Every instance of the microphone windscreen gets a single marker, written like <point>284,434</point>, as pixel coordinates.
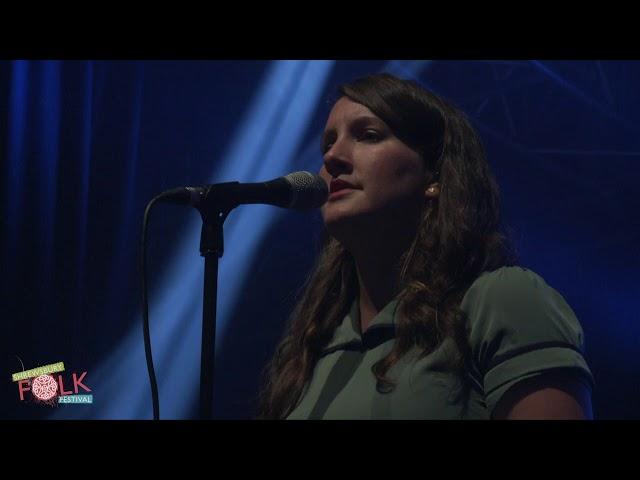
<point>308,190</point>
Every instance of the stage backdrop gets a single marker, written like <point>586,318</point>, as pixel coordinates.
<point>86,144</point>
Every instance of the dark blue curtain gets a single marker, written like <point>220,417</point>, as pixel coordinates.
<point>85,144</point>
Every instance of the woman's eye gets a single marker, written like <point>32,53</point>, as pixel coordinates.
<point>371,135</point>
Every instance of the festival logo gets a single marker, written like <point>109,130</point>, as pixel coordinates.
<point>47,385</point>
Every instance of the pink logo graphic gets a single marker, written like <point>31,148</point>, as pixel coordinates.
<point>44,387</point>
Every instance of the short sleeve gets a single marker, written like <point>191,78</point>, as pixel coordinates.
<point>519,327</point>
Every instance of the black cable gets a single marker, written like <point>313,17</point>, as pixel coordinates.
<point>145,310</point>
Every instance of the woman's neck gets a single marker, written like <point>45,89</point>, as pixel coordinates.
<point>377,253</point>
<point>378,268</point>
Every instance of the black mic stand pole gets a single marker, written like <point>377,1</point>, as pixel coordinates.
<point>213,214</point>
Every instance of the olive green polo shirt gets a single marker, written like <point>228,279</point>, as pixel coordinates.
<point>518,327</point>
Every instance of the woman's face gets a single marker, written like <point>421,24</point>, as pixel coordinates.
<point>370,172</point>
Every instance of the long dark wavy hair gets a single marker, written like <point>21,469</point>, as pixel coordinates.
<point>458,239</point>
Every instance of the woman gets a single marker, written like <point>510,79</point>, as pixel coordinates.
<point>415,308</point>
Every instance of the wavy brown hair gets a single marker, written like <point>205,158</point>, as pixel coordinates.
<point>458,239</point>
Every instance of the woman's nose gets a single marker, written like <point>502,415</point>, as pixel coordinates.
<point>337,161</point>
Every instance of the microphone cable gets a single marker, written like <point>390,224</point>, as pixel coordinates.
<point>145,309</point>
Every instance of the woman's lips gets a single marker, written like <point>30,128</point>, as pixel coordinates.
<point>338,188</point>
<point>340,193</point>
<point>337,184</point>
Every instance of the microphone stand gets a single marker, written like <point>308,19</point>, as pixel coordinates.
<point>213,211</point>
<point>214,203</point>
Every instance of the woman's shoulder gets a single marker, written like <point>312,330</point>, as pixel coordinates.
<point>510,279</point>
<point>516,301</point>
<point>509,286</point>
<point>519,327</point>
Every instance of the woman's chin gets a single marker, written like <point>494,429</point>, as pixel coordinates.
<point>342,224</point>
<point>336,217</point>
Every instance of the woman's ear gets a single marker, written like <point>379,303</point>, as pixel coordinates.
<point>432,191</point>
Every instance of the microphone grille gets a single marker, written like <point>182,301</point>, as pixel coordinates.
<point>308,190</point>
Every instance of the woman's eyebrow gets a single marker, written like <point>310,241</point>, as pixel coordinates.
<point>357,121</point>
<point>366,119</point>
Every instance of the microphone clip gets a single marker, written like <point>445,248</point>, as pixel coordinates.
<point>214,203</point>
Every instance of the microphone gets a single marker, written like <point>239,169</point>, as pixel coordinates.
<point>298,190</point>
